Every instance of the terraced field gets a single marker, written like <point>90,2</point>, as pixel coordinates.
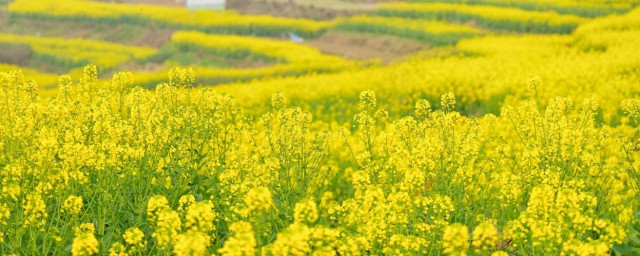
<point>420,127</point>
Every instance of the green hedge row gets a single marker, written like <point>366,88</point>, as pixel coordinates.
<point>424,36</point>
<point>253,29</point>
<point>493,24</point>
<point>583,11</point>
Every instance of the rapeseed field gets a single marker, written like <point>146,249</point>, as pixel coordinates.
<point>515,131</point>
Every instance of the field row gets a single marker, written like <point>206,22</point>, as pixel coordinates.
<point>178,18</point>
<point>581,8</point>
<point>432,32</point>
<point>498,18</point>
<point>77,52</point>
<point>289,58</point>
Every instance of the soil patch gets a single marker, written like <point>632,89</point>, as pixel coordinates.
<point>287,9</point>
<point>367,46</point>
<point>15,54</point>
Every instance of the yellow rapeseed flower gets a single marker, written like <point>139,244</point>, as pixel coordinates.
<point>485,236</point>
<point>258,200</point>
<point>184,202</point>
<point>200,217</point>
<point>85,243</point>
<point>305,212</point>
<point>278,101</point>
<point>134,237</point>
<point>35,211</point>
<point>455,240</point>
<point>167,227</point>
<point>72,205</point>
<point>292,241</point>
<point>118,249</point>
<point>191,243</point>
<point>156,205</point>
<point>242,243</point>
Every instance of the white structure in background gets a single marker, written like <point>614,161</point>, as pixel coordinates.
<point>295,38</point>
<point>217,5</point>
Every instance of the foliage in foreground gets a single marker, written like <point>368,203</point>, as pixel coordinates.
<point>125,171</point>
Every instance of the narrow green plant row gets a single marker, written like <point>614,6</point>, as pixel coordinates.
<point>74,53</point>
<point>490,17</point>
<point>588,9</point>
<point>177,18</point>
<point>432,32</point>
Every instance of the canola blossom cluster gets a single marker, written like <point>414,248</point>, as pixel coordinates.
<point>121,170</point>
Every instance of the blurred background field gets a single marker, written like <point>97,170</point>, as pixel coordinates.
<point>401,40</point>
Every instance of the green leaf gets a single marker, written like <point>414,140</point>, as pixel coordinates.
<point>634,240</point>
<point>67,249</point>
<point>624,250</point>
<point>637,226</point>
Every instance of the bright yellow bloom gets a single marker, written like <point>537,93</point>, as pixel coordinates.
<point>455,240</point>
<point>167,182</point>
<point>167,227</point>
<point>242,243</point>
<point>258,200</point>
<point>85,228</point>
<point>292,241</point>
<point>354,246</point>
<point>367,100</point>
<point>72,205</point>
<point>5,213</point>
<point>134,236</point>
<point>191,243</point>
<point>278,101</point>
<point>181,77</point>
<point>35,211</point>
<point>399,245</point>
<point>85,243</point>
<point>485,236</point>
<point>156,205</point>
<point>121,80</point>
<point>422,108</point>
<point>185,202</point>
<point>118,249</point>
<point>200,217</point>
<point>305,212</point>
<point>594,248</point>
<point>448,101</point>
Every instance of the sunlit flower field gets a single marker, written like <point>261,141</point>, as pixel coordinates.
<point>519,135</point>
